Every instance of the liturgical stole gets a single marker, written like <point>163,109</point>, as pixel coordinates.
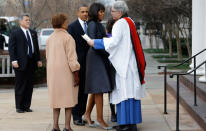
<point>141,64</point>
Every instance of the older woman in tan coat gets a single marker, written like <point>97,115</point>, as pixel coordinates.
<point>62,71</point>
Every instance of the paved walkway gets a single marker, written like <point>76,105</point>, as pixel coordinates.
<point>152,108</point>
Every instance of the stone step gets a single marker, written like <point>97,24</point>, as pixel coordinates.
<point>188,82</point>
<point>187,101</point>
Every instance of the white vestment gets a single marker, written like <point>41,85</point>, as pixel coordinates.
<point>122,57</point>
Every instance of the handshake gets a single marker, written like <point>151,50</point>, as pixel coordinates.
<point>88,40</point>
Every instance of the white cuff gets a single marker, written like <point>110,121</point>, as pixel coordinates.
<point>14,62</point>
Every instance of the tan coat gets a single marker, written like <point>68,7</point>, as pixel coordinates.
<point>61,62</point>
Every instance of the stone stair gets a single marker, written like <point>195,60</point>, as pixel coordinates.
<point>187,97</point>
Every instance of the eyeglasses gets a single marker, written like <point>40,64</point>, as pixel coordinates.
<point>114,11</point>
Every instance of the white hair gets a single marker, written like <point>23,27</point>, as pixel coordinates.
<point>120,6</point>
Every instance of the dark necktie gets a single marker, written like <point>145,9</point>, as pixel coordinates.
<point>85,27</point>
<point>29,44</point>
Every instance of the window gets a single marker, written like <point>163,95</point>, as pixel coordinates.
<point>47,32</point>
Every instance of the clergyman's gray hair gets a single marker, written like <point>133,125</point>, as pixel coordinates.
<point>82,5</point>
<point>22,15</point>
<point>120,6</point>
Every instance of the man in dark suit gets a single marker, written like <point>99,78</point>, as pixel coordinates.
<point>25,57</point>
<point>76,29</point>
<point>2,40</point>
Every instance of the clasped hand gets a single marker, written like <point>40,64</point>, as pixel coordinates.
<point>91,43</point>
<point>76,78</point>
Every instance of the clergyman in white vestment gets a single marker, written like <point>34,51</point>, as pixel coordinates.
<point>129,88</point>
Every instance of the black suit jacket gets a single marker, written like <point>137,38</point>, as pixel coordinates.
<point>82,47</point>
<point>2,40</point>
<point>18,48</point>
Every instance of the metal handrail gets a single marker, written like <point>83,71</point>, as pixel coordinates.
<point>165,79</point>
<point>178,88</point>
<point>165,88</point>
<point>178,74</point>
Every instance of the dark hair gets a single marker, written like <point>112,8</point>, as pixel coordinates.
<point>58,20</point>
<point>109,25</point>
<point>82,5</point>
<point>93,11</point>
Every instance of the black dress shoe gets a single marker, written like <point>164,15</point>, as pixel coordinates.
<point>19,111</point>
<point>28,110</point>
<point>123,128</point>
<point>114,118</point>
<point>55,129</point>
<point>133,127</point>
<point>78,122</point>
<point>67,129</point>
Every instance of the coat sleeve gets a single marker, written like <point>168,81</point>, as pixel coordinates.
<point>12,46</point>
<point>37,47</point>
<point>92,30</point>
<point>92,33</point>
<point>71,55</point>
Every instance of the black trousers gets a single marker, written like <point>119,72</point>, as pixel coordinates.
<point>80,108</point>
<point>24,86</point>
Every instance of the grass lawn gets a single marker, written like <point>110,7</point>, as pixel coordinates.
<point>168,61</point>
<point>182,67</point>
<point>155,51</point>
<point>166,56</point>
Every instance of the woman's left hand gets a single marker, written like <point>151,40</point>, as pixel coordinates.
<point>76,78</point>
<point>91,43</point>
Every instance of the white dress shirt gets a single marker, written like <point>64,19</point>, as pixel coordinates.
<point>24,30</point>
<point>82,23</point>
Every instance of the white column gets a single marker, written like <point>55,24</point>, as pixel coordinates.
<point>141,27</point>
<point>141,35</point>
<point>198,33</point>
<point>203,78</point>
